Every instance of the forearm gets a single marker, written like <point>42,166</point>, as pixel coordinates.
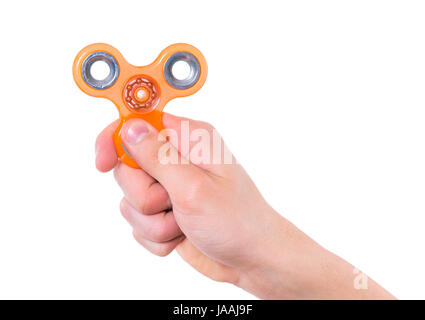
<point>293,266</point>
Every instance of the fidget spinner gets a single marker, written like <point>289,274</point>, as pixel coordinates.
<point>139,92</point>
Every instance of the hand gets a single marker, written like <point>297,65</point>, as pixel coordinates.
<point>187,198</point>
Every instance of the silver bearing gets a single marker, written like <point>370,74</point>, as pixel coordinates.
<point>110,78</point>
<point>194,73</point>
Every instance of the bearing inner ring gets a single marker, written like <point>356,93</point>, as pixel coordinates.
<point>110,78</point>
<point>194,73</point>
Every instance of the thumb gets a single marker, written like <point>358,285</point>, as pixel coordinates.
<point>155,155</point>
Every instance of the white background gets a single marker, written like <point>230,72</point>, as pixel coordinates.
<point>322,101</point>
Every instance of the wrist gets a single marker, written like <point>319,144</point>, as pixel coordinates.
<point>281,262</point>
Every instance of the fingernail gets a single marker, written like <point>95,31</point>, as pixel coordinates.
<point>136,131</point>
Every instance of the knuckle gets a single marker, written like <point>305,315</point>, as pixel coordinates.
<point>206,125</point>
<point>159,232</point>
<point>124,208</point>
<point>138,238</point>
<point>163,250</point>
<point>140,206</point>
<point>146,201</point>
<point>157,249</point>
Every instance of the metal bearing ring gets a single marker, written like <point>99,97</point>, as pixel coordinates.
<point>194,73</point>
<point>113,70</point>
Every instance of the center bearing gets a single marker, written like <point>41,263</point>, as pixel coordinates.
<point>141,93</point>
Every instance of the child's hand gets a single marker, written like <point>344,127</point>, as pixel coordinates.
<point>215,216</point>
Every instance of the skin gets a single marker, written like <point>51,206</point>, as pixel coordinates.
<point>217,220</point>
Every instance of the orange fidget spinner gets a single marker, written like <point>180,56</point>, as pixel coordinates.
<point>139,92</point>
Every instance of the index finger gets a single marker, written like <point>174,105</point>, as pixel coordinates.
<point>106,156</point>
